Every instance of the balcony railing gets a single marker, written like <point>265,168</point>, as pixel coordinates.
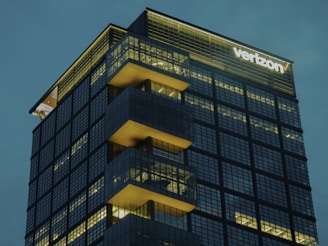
<point>136,58</point>
<point>134,230</point>
<point>135,115</point>
<point>135,177</point>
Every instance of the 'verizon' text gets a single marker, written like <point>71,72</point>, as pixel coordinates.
<point>256,58</point>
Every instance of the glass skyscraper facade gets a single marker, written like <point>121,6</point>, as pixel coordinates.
<point>164,133</point>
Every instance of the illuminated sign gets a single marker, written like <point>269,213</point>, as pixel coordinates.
<point>256,58</point>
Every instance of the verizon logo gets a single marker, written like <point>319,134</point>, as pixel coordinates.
<point>257,59</point>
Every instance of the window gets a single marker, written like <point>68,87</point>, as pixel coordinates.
<point>240,211</point>
<point>96,194</point>
<point>293,141</point>
<point>59,224</point>
<point>271,190</point>
<point>207,167</point>
<point>297,170</point>
<point>64,112</point>
<point>264,131</point>
<point>229,91</point>
<point>289,113</point>
<point>237,179</point>
<point>202,108</point>
<point>301,200</point>
<point>42,208</point>
<point>45,181</point>
<point>261,102</point>
<point>210,231</point>
<point>81,95</point>
<point>209,200</point>
<point>275,222</point>
<point>201,81</point>
<point>235,149</point>
<point>63,139</point>
<point>96,225</point>
<point>80,123</point>
<point>268,160</point>
<point>205,138</point>
<point>238,236</point>
<point>78,179</point>
<point>77,209</point>
<point>60,194</point>
<point>232,120</point>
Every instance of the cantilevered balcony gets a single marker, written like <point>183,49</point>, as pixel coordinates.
<point>135,59</point>
<point>135,177</point>
<point>136,115</point>
<point>134,230</point>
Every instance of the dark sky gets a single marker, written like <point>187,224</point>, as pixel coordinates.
<point>41,38</point>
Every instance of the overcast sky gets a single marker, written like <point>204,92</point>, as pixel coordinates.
<point>41,38</point>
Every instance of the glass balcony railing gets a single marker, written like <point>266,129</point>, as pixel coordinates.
<point>136,176</point>
<point>134,230</point>
<point>135,59</point>
<point>135,115</point>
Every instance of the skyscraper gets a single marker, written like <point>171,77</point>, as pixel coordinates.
<point>164,133</point>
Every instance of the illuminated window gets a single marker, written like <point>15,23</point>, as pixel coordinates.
<point>232,120</point>
<point>59,224</point>
<point>96,225</point>
<point>240,210</point>
<point>42,235</point>
<point>99,71</point>
<point>293,141</point>
<point>202,108</point>
<point>264,131</point>
<point>77,209</point>
<point>165,90</point>
<point>261,102</point>
<point>229,91</point>
<point>96,194</point>
<point>201,81</point>
<point>275,222</point>
<point>77,233</point>
<point>289,113</point>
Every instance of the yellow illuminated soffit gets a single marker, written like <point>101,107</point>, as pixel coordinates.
<point>47,105</point>
<point>132,74</point>
<point>132,197</point>
<point>131,133</point>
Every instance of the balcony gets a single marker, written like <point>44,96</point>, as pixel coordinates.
<point>135,59</point>
<point>135,177</point>
<point>138,115</point>
<point>134,230</point>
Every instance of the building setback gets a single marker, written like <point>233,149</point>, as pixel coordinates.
<point>164,133</point>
